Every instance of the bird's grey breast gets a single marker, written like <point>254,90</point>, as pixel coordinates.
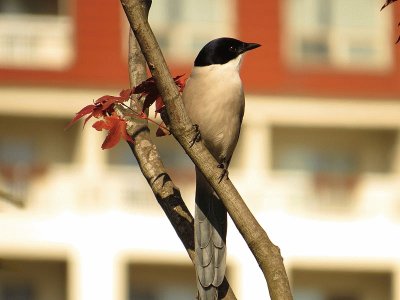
<point>213,98</point>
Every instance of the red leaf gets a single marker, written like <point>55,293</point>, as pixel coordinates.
<point>180,82</point>
<point>104,102</point>
<point>83,112</point>
<point>152,97</point>
<point>125,135</point>
<point>148,89</point>
<point>116,130</point>
<point>99,112</point>
<point>101,124</point>
<point>162,131</point>
<point>145,86</point>
<point>101,107</point>
<point>159,104</point>
<point>108,101</point>
<point>125,94</point>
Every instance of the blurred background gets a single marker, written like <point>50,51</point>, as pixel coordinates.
<point>318,161</point>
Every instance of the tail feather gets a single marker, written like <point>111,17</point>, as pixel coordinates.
<point>210,238</point>
<point>210,293</point>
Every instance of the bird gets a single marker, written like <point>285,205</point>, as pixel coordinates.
<point>214,101</point>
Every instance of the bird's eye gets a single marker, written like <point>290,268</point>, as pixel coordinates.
<point>232,48</point>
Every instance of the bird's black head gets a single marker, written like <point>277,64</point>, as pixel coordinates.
<point>221,51</point>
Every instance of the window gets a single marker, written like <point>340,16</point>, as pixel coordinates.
<point>28,146</point>
<point>333,150</point>
<point>35,34</point>
<point>333,158</point>
<point>174,282</point>
<point>17,292</point>
<point>340,285</point>
<point>33,280</point>
<point>338,33</point>
<point>16,166</point>
<point>182,27</point>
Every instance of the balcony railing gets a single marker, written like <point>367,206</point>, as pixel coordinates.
<point>35,42</point>
<point>296,193</point>
<point>305,193</point>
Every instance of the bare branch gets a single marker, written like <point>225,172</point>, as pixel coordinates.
<point>166,193</point>
<point>147,155</point>
<point>266,253</point>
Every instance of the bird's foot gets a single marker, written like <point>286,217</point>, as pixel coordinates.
<point>197,135</point>
<point>224,171</point>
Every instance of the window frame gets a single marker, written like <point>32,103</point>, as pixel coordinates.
<point>37,41</point>
<point>338,41</point>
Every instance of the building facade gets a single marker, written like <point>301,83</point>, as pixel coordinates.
<point>318,161</point>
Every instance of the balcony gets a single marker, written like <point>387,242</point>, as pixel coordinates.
<point>73,188</point>
<point>36,41</point>
<point>306,194</point>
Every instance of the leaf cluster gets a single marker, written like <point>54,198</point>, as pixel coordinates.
<point>104,109</point>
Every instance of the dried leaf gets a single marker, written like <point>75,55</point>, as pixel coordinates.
<point>83,112</point>
<point>148,89</point>
<point>116,127</point>
<point>162,131</point>
<point>102,107</point>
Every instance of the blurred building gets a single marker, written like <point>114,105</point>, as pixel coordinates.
<point>318,161</point>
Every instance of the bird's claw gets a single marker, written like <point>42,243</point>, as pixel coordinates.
<point>197,135</point>
<point>224,171</point>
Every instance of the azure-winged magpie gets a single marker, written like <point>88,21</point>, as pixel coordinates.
<point>214,100</point>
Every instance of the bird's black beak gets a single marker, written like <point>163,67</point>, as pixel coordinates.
<point>249,46</point>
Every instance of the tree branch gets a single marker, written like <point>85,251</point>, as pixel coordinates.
<point>266,253</point>
<point>166,193</point>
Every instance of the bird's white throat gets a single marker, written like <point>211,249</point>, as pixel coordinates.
<point>232,67</point>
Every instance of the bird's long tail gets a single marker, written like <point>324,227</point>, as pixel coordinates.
<point>210,237</point>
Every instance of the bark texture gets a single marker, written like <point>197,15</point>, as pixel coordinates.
<point>266,253</point>
<point>146,153</point>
